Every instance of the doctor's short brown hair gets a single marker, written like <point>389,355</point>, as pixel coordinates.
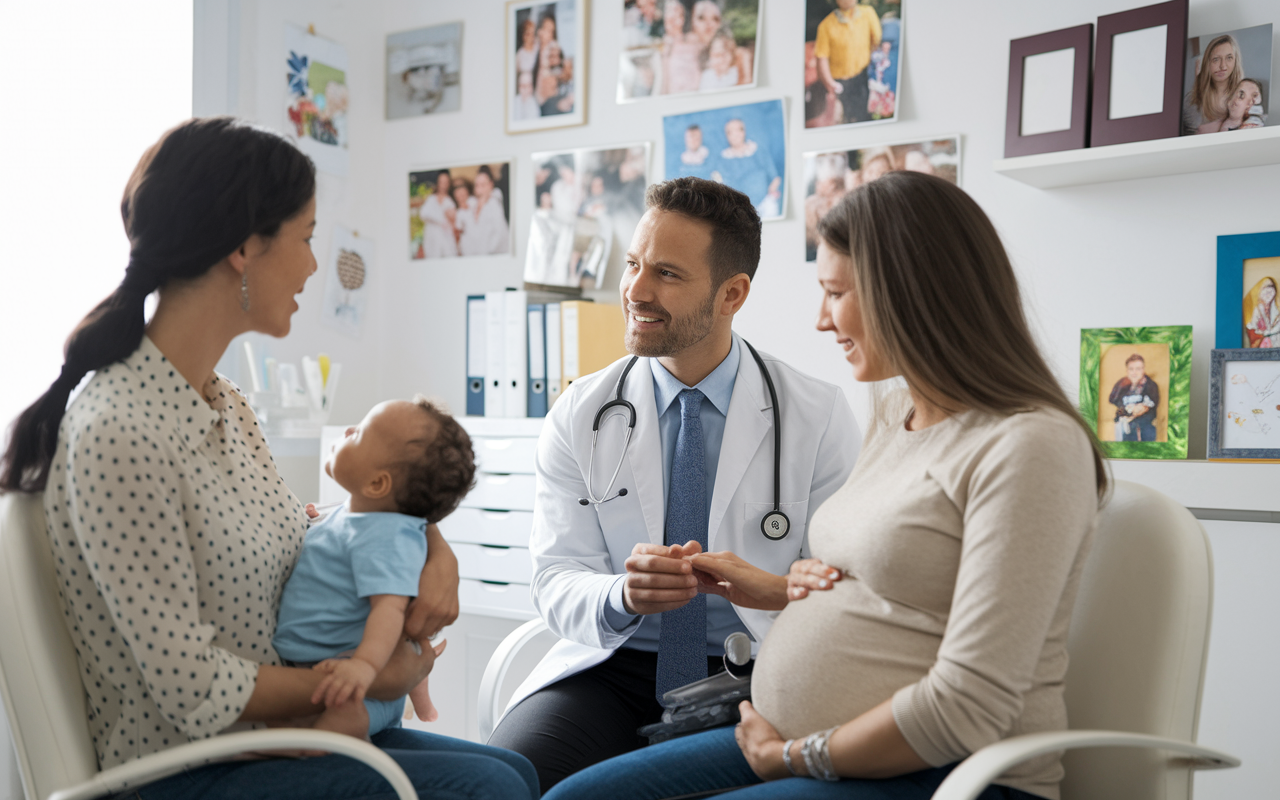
<point>432,485</point>
<point>735,225</point>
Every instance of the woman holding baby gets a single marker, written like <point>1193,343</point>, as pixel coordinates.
<point>172,530</point>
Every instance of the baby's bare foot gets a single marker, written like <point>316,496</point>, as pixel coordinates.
<point>351,718</point>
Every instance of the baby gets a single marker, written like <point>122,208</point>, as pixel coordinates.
<point>1244,109</point>
<point>406,464</point>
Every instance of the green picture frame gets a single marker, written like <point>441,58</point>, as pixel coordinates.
<point>1098,365</point>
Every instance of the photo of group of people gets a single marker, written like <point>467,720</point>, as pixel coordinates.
<point>424,71</point>
<point>828,176</point>
<point>460,211</point>
<point>740,146</point>
<point>852,60</point>
<point>586,202</point>
<point>543,88</point>
<point>683,46</point>
<point>1227,80</point>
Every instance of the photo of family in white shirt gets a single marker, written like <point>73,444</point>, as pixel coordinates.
<point>460,211</point>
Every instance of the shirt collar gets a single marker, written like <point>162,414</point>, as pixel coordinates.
<point>168,396</point>
<point>717,387</point>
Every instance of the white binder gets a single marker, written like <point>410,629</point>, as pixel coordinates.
<point>516,354</point>
<point>553,353</point>
<point>495,361</point>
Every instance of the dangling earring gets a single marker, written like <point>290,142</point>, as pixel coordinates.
<point>244,291</point>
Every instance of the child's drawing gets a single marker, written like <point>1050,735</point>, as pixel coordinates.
<point>1250,407</point>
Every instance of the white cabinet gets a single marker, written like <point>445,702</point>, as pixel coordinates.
<point>490,531</point>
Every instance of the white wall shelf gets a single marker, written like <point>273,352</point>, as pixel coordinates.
<point>1249,489</point>
<point>1150,159</point>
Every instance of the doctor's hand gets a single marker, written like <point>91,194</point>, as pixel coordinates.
<point>659,578</point>
<point>810,574</point>
<point>742,584</point>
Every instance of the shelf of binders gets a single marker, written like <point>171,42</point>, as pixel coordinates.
<point>1150,159</point>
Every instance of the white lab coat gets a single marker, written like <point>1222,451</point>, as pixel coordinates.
<point>578,551</point>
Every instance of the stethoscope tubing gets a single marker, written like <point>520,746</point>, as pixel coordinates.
<point>619,402</point>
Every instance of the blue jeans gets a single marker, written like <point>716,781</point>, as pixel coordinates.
<point>711,761</point>
<point>440,767</point>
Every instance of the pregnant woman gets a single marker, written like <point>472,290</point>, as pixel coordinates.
<point>172,531</point>
<point>932,619</point>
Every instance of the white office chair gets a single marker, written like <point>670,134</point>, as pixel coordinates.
<point>1139,642</point>
<point>45,701</point>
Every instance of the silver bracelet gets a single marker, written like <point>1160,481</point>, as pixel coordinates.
<point>822,755</point>
<point>806,752</point>
<point>786,757</point>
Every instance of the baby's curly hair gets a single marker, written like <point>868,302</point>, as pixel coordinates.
<point>433,485</point>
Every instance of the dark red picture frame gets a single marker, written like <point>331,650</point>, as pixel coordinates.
<point>1080,38</point>
<point>1167,122</point>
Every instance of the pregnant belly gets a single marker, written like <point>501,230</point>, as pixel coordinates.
<point>835,655</point>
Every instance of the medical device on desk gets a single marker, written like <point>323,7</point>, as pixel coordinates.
<point>775,524</point>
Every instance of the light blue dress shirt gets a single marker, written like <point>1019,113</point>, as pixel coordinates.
<point>717,387</point>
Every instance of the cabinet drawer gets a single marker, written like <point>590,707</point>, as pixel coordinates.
<point>507,454</point>
<point>498,599</point>
<point>501,492</point>
<point>506,564</point>
<point>479,526</point>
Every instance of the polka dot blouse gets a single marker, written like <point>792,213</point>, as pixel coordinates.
<point>173,536</point>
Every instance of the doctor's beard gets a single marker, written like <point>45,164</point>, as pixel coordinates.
<point>678,334</point>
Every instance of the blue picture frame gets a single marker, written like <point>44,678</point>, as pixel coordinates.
<point>1218,360</point>
<point>1232,253</point>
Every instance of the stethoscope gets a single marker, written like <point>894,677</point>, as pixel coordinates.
<point>775,524</point>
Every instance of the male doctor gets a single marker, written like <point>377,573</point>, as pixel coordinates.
<point>644,579</point>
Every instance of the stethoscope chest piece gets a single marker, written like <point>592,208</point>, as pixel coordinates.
<point>775,525</point>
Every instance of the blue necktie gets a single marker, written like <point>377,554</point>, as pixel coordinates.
<point>682,643</point>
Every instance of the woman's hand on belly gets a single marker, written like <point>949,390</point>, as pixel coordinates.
<point>762,745</point>
<point>808,575</point>
<point>727,575</point>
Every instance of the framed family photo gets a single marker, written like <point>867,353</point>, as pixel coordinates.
<point>830,175</point>
<point>1227,81</point>
<point>1135,389</point>
<point>460,211</point>
<point>743,147</point>
<point>852,61</point>
<point>1244,405</point>
<point>672,47</point>
<point>587,205</point>
<point>546,64</point>
<point>1248,311</point>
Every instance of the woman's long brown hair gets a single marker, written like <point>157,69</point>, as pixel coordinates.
<point>940,300</point>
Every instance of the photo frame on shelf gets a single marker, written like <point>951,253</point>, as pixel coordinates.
<point>546,64</point>
<point>1245,316</point>
<point>1135,389</point>
<point>1244,405</point>
<point>1049,85</point>
<point>1137,86</point>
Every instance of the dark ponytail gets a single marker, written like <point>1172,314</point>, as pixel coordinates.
<point>196,195</point>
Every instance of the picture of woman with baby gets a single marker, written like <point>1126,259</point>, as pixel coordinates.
<point>545,39</point>
<point>684,46</point>
<point>1227,81</point>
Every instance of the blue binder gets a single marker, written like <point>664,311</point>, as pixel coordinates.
<point>537,385</point>
<point>477,323</point>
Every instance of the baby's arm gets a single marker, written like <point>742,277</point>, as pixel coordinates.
<point>349,678</point>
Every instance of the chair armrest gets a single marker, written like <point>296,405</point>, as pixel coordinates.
<point>977,771</point>
<point>195,754</point>
<point>496,672</point>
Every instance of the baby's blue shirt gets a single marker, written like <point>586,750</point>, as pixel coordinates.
<point>345,559</point>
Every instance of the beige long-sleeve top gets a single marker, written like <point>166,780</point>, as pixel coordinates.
<point>172,536</point>
<point>961,547</point>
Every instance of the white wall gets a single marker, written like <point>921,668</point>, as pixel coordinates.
<point>1122,254</point>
